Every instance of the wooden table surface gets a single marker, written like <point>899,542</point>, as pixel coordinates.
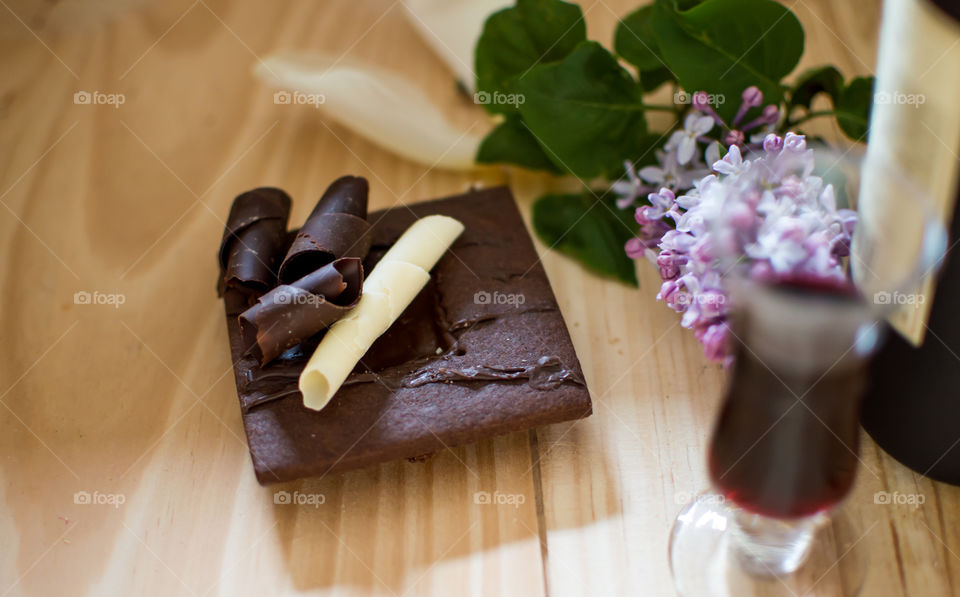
<point>135,405</point>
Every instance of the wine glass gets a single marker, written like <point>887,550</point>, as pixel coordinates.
<point>784,449</point>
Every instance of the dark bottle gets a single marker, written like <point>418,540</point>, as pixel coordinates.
<point>912,403</point>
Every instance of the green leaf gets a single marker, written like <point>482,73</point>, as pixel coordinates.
<point>585,111</point>
<point>651,79</point>
<point>591,230</point>
<point>516,39</point>
<point>824,79</point>
<point>635,42</point>
<point>853,108</point>
<point>512,143</point>
<point>724,46</point>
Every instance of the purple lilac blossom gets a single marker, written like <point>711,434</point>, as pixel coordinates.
<point>631,188</point>
<point>789,215</point>
<point>684,141</point>
<point>679,164</point>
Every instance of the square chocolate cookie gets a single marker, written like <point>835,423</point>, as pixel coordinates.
<point>483,350</point>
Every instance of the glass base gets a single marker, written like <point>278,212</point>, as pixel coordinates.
<point>720,550</point>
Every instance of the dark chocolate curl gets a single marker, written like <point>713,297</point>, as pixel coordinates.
<point>337,227</point>
<point>253,242</point>
<point>291,313</point>
<point>345,195</point>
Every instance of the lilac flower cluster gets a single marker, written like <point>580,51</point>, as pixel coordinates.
<point>679,164</point>
<point>784,219</point>
<point>736,132</point>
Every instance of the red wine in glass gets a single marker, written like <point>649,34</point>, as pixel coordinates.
<point>785,444</point>
<point>783,454</point>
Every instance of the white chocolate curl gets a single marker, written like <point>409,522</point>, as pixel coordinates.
<point>395,281</point>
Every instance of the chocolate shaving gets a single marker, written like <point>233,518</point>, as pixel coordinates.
<point>291,313</point>
<point>336,228</point>
<point>253,241</point>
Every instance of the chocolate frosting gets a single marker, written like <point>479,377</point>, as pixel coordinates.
<point>253,241</point>
<point>421,348</point>
<point>291,313</point>
<point>337,227</point>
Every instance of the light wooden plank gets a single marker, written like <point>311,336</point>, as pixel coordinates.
<point>138,400</point>
<point>614,483</point>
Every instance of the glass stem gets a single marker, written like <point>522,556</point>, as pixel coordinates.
<point>771,546</point>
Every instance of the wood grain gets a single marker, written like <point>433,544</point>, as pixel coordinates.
<point>137,401</point>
